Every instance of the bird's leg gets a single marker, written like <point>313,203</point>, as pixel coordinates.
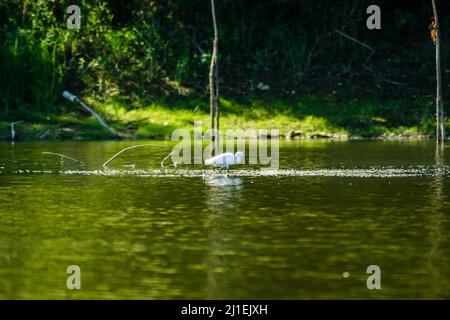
<point>220,170</point>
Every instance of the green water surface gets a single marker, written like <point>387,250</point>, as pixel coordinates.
<point>217,237</point>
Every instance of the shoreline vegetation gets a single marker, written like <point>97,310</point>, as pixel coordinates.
<point>295,118</point>
<point>311,69</point>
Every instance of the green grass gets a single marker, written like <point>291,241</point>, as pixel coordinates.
<point>157,119</point>
<point>303,117</point>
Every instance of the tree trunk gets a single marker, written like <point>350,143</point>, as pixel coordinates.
<point>440,129</point>
<point>217,106</point>
<point>214,83</point>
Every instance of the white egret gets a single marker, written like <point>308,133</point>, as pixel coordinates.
<point>225,160</point>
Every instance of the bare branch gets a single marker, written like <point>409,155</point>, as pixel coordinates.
<point>130,148</point>
<point>63,156</point>
<point>354,40</point>
<point>74,98</point>
<point>41,135</point>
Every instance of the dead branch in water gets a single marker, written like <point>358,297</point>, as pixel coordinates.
<point>74,98</point>
<point>63,156</point>
<point>130,148</point>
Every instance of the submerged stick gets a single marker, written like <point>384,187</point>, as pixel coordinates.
<point>74,98</point>
<point>130,148</point>
<point>63,156</point>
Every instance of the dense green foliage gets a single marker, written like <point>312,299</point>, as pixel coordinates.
<point>139,51</point>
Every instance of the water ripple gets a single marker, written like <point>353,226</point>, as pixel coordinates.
<point>372,172</point>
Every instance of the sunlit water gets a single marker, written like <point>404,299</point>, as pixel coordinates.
<point>143,232</point>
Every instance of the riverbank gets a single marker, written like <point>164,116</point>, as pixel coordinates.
<point>305,117</point>
<point>65,131</point>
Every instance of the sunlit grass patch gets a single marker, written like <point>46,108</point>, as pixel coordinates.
<point>304,116</point>
<point>159,120</point>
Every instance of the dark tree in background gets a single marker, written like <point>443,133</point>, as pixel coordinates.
<point>147,51</point>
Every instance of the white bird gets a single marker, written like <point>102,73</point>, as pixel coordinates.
<point>225,160</point>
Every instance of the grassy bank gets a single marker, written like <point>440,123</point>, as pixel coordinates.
<point>305,116</point>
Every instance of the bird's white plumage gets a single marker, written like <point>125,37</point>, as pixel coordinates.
<point>225,160</point>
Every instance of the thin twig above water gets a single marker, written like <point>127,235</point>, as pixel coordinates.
<point>63,156</point>
<point>130,148</point>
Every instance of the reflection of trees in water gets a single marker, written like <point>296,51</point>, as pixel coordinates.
<point>222,200</point>
<point>435,221</point>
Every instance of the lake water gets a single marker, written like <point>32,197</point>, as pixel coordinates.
<point>138,233</point>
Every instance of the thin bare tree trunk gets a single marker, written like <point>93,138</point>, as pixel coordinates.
<point>440,129</point>
<point>213,81</point>
<point>217,106</point>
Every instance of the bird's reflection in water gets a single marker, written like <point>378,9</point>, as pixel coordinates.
<point>223,181</point>
<point>222,198</point>
<point>223,193</point>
